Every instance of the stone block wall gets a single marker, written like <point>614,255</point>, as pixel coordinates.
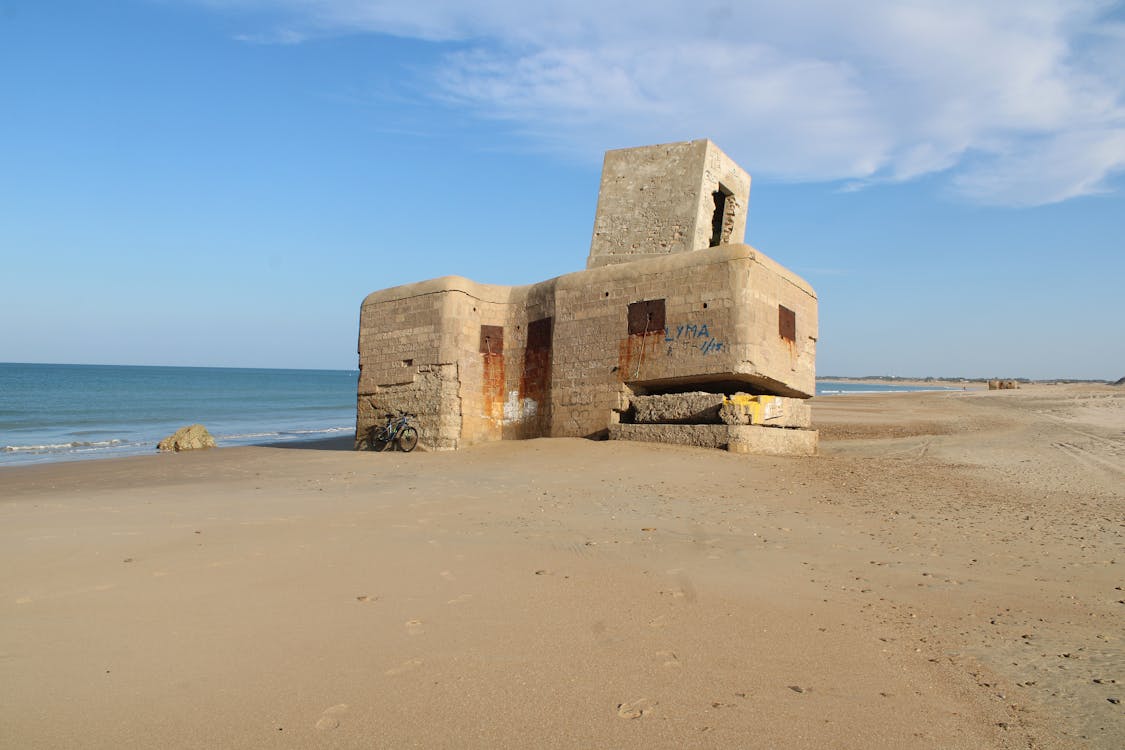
<point>407,362</point>
<point>660,309</point>
<point>658,200</point>
<point>478,362</point>
<point>473,361</point>
<point>720,327</point>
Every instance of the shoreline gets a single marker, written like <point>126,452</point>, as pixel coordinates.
<point>912,586</point>
<point>907,382</point>
<point>29,456</point>
<point>33,456</point>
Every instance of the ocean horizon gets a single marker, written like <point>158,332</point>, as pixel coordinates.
<point>68,412</point>
<point>842,387</point>
<point>71,412</point>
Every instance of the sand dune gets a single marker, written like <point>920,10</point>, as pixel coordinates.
<point>947,574</point>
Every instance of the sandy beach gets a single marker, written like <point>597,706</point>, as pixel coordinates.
<point>947,573</point>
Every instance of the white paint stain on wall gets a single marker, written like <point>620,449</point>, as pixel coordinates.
<point>517,409</point>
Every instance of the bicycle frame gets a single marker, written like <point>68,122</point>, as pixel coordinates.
<point>392,432</point>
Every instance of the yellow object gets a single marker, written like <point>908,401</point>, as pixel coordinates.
<point>760,409</point>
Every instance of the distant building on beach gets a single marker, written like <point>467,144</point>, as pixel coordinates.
<point>1003,385</point>
<point>675,332</point>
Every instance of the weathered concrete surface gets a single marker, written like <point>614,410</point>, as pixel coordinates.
<point>421,344</point>
<point>656,200</point>
<point>772,441</point>
<point>735,438</point>
<point>686,408</point>
<point>190,438</point>
<point>701,407</point>
<point>479,362</point>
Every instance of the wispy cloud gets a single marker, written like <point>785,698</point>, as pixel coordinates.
<point>1021,103</point>
<point>275,36</point>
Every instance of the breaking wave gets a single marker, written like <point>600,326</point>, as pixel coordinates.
<point>53,447</point>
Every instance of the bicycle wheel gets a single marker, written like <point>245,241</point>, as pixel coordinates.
<point>407,439</point>
<point>377,439</point>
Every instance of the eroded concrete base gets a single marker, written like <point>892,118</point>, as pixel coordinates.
<point>770,441</point>
<point>700,407</point>
<point>695,407</point>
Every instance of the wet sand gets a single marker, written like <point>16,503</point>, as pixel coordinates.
<point>946,574</point>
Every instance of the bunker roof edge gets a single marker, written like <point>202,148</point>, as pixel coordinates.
<point>501,294</point>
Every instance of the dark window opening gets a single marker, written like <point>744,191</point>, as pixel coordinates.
<point>539,334</point>
<point>492,339</point>
<point>719,231</point>
<point>646,317</point>
<point>786,323</point>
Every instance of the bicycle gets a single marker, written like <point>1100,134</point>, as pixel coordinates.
<point>397,431</point>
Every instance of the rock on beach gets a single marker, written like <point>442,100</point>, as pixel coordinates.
<point>192,437</point>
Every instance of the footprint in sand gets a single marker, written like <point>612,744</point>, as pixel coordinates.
<point>684,591</point>
<point>635,709</point>
<point>330,719</point>
<point>406,666</point>
<point>414,627</point>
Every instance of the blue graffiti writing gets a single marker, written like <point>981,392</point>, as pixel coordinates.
<point>693,336</point>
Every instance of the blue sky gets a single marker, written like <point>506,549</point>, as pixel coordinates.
<point>221,182</point>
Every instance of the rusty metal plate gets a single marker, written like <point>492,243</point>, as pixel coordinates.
<point>646,317</point>
<point>539,334</point>
<point>786,323</point>
<point>492,339</point>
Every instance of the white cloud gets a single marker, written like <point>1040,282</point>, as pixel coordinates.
<point>1021,102</point>
<point>1043,170</point>
<point>276,36</point>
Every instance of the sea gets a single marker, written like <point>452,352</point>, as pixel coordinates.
<point>72,412</point>
<point>54,412</point>
<point>837,388</point>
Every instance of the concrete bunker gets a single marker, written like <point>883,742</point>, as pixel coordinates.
<point>675,332</point>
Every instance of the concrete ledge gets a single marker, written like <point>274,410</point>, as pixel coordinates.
<point>773,441</point>
<point>770,441</point>
<point>698,407</point>
<point>678,408</point>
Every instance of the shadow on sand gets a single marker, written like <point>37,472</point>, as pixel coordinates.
<point>342,443</point>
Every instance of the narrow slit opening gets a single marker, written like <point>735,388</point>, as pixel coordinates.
<point>719,216</point>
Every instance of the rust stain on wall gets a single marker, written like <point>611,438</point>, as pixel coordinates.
<point>787,330</point>
<point>646,328</point>
<point>492,377</point>
<point>634,351</point>
<point>493,386</point>
<point>535,378</point>
<point>646,317</point>
<point>786,323</point>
